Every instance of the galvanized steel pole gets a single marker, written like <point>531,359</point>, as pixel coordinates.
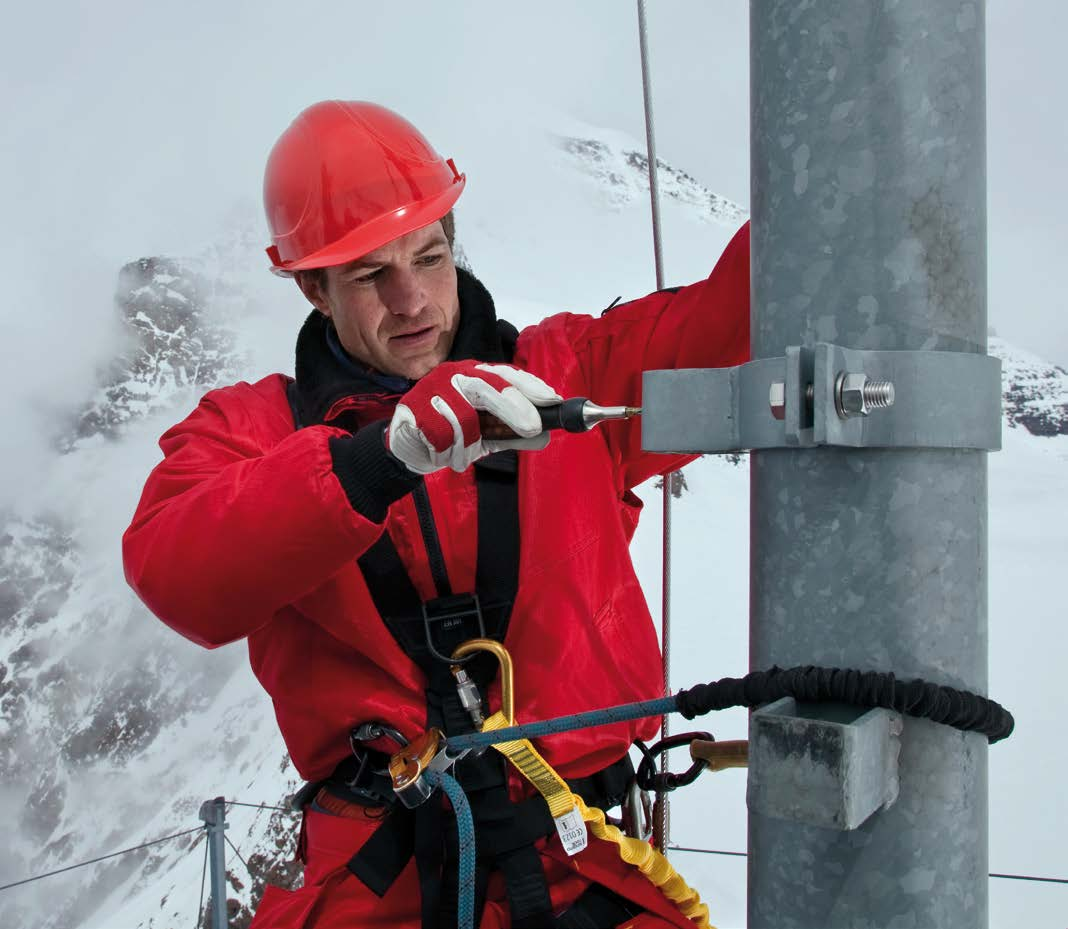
<point>213,813</point>
<point>869,230</point>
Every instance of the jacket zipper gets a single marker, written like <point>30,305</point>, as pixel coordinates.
<point>431,541</point>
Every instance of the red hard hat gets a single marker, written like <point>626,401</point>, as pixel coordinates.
<point>346,178</point>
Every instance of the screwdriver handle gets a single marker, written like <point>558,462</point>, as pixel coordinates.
<point>574,415</point>
<point>566,415</point>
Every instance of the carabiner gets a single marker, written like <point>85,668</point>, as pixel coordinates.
<point>507,673</point>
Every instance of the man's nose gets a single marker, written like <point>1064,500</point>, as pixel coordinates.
<point>405,295</point>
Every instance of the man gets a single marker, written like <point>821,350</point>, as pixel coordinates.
<point>355,525</point>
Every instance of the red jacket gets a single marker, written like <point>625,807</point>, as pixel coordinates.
<point>243,531</point>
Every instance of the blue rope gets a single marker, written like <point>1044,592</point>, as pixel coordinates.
<point>613,714</point>
<point>465,830</point>
<point>465,825</point>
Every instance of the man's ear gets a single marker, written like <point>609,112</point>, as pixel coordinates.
<point>312,285</point>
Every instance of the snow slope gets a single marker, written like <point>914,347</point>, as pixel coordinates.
<point>114,729</point>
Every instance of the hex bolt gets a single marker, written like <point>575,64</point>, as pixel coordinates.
<point>777,398</point>
<point>855,395</point>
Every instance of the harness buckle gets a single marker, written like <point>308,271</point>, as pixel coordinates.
<point>450,618</point>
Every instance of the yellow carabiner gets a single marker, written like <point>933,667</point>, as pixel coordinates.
<point>507,672</point>
<point>520,751</point>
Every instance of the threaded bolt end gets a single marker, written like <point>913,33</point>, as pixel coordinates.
<point>878,395</point>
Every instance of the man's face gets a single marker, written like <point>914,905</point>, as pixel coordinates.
<point>396,308</point>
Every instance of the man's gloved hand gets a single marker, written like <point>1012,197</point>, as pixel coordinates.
<point>436,423</point>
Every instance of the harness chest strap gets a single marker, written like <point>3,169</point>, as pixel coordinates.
<point>427,632</point>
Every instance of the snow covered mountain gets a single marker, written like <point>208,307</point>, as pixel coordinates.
<point>1035,392</point>
<point>113,730</point>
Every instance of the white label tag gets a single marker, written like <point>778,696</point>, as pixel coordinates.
<point>572,831</point>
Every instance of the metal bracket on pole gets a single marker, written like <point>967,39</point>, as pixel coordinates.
<point>829,765</point>
<point>213,814</point>
<point>822,395</point>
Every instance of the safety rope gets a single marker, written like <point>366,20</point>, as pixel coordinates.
<point>957,708</point>
<point>662,825</point>
<point>465,833</point>
<point>961,709</point>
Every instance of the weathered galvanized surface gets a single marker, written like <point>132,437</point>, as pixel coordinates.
<point>826,765</point>
<point>868,184</point>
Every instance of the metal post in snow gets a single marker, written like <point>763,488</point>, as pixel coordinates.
<point>869,231</point>
<point>213,813</point>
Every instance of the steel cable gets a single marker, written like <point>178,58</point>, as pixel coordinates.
<point>239,858</point>
<point>82,864</point>
<point>662,825</point>
<point>203,879</point>
<point>261,806</point>
<point>1011,877</point>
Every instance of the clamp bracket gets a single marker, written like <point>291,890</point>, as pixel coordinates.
<point>827,765</point>
<point>922,399</point>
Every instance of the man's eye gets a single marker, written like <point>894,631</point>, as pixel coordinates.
<point>428,261</point>
<point>366,278</point>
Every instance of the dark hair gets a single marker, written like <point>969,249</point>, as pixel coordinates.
<point>448,224</point>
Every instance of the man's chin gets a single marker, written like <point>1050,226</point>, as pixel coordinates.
<point>416,364</point>
<point>415,368</point>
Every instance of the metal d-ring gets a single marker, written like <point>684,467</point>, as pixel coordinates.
<point>476,612</point>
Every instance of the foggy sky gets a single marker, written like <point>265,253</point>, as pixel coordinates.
<point>131,129</point>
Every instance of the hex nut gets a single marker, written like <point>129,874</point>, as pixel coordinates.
<point>850,397</point>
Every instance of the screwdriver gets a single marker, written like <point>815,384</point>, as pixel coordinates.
<point>574,415</point>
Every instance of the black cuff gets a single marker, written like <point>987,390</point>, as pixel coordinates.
<point>370,476</point>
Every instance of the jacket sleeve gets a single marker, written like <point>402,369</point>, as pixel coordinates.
<point>228,531</point>
<point>704,325</point>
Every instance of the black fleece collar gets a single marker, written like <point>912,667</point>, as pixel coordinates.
<point>323,379</point>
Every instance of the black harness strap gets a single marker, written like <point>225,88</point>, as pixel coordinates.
<point>501,830</point>
<point>434,554</point>
<point>383,856</point>
<point>428,632</point>
<point>452,619</point>
<point>497,568</point>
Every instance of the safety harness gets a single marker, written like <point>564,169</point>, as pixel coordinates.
<point>428,632</point>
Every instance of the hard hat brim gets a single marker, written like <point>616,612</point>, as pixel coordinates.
<point>369,236</point>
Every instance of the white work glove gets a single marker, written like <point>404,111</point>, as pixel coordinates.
<point>436,423</point>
